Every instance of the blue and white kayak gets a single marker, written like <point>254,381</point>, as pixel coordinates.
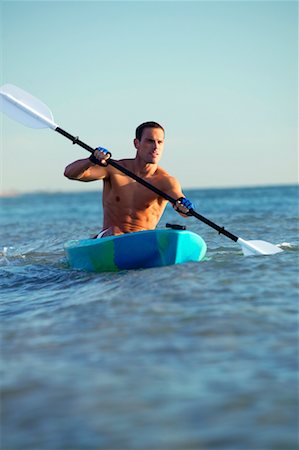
<point>140,250</point>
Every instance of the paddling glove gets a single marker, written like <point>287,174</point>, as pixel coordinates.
<point>184,202</point>
<point>95,160</point>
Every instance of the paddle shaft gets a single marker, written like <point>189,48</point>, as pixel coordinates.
<point>76,140</point>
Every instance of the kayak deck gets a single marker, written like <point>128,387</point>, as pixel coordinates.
<point>139,250</point>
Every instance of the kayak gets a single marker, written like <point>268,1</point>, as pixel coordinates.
<point>139,250</point>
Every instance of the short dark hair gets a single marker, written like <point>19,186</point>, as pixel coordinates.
<point>140,128</point>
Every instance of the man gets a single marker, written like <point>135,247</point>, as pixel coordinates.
<point>128,205</point>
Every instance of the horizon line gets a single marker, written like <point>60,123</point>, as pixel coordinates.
<point>11,193</point>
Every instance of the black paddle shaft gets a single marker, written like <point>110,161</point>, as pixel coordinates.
<point>76,140</point>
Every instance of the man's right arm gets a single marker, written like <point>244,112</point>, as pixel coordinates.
<point>88,169</point>
<point>85,170</point>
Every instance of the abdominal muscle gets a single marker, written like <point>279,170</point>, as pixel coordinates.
<point>129,209</point>
<point>131,221</point>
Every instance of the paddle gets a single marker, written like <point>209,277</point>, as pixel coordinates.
<point>28,110</point>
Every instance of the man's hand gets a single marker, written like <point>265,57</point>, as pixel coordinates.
<point>183,205</point>
<point>100,156</point>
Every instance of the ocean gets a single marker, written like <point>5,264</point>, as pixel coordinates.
<point>197,356</point>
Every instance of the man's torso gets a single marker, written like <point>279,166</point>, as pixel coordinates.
<point>130,206</point>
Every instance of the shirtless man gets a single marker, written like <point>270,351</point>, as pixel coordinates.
<point>128,205</point>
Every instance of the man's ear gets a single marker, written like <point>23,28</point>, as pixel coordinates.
<point>136,143</point>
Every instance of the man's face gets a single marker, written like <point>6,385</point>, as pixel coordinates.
<point>150,147</point>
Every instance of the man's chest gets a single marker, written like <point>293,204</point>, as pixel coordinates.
<point>128,191</point>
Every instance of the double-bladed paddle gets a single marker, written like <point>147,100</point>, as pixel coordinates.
<point>30,111</point>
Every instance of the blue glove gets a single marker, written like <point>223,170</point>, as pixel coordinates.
<point>183,201</point>
<point>104,150</point>
<point>95,160</point>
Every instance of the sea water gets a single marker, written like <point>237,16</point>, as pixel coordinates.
<point>196,356</point>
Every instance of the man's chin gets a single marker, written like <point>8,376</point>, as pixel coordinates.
<point>154,160</point>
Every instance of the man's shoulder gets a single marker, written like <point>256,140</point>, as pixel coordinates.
<point>162,172</point>
<point>126,162</point>
<point>168,181</point>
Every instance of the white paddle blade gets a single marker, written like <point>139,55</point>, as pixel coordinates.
<point>251,248</point>
<point>24,108</point>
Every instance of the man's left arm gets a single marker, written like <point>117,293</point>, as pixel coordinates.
<point>182,205</point>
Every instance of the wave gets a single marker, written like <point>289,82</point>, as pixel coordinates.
<point>22,256</point>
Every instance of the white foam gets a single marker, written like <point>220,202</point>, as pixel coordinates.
<point>286,245</point>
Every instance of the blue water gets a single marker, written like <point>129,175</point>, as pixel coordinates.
<point>196,356</point>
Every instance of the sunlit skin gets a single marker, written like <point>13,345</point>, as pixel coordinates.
<point>128,206</point>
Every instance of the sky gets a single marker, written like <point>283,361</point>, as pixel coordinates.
<point>220,76</point>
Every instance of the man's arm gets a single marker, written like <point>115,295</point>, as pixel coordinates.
<point>87,169</point>
<point>182,204</point>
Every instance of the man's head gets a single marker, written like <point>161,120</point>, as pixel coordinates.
<point>143,126</point>
<point>149,142</point>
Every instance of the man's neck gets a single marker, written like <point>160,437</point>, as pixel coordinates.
<point>143,169</point>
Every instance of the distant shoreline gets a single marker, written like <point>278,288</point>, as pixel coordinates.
<point>13,193</point>
<point>7,194</point>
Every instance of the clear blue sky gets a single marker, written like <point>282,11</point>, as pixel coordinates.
<point>221,77</point>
